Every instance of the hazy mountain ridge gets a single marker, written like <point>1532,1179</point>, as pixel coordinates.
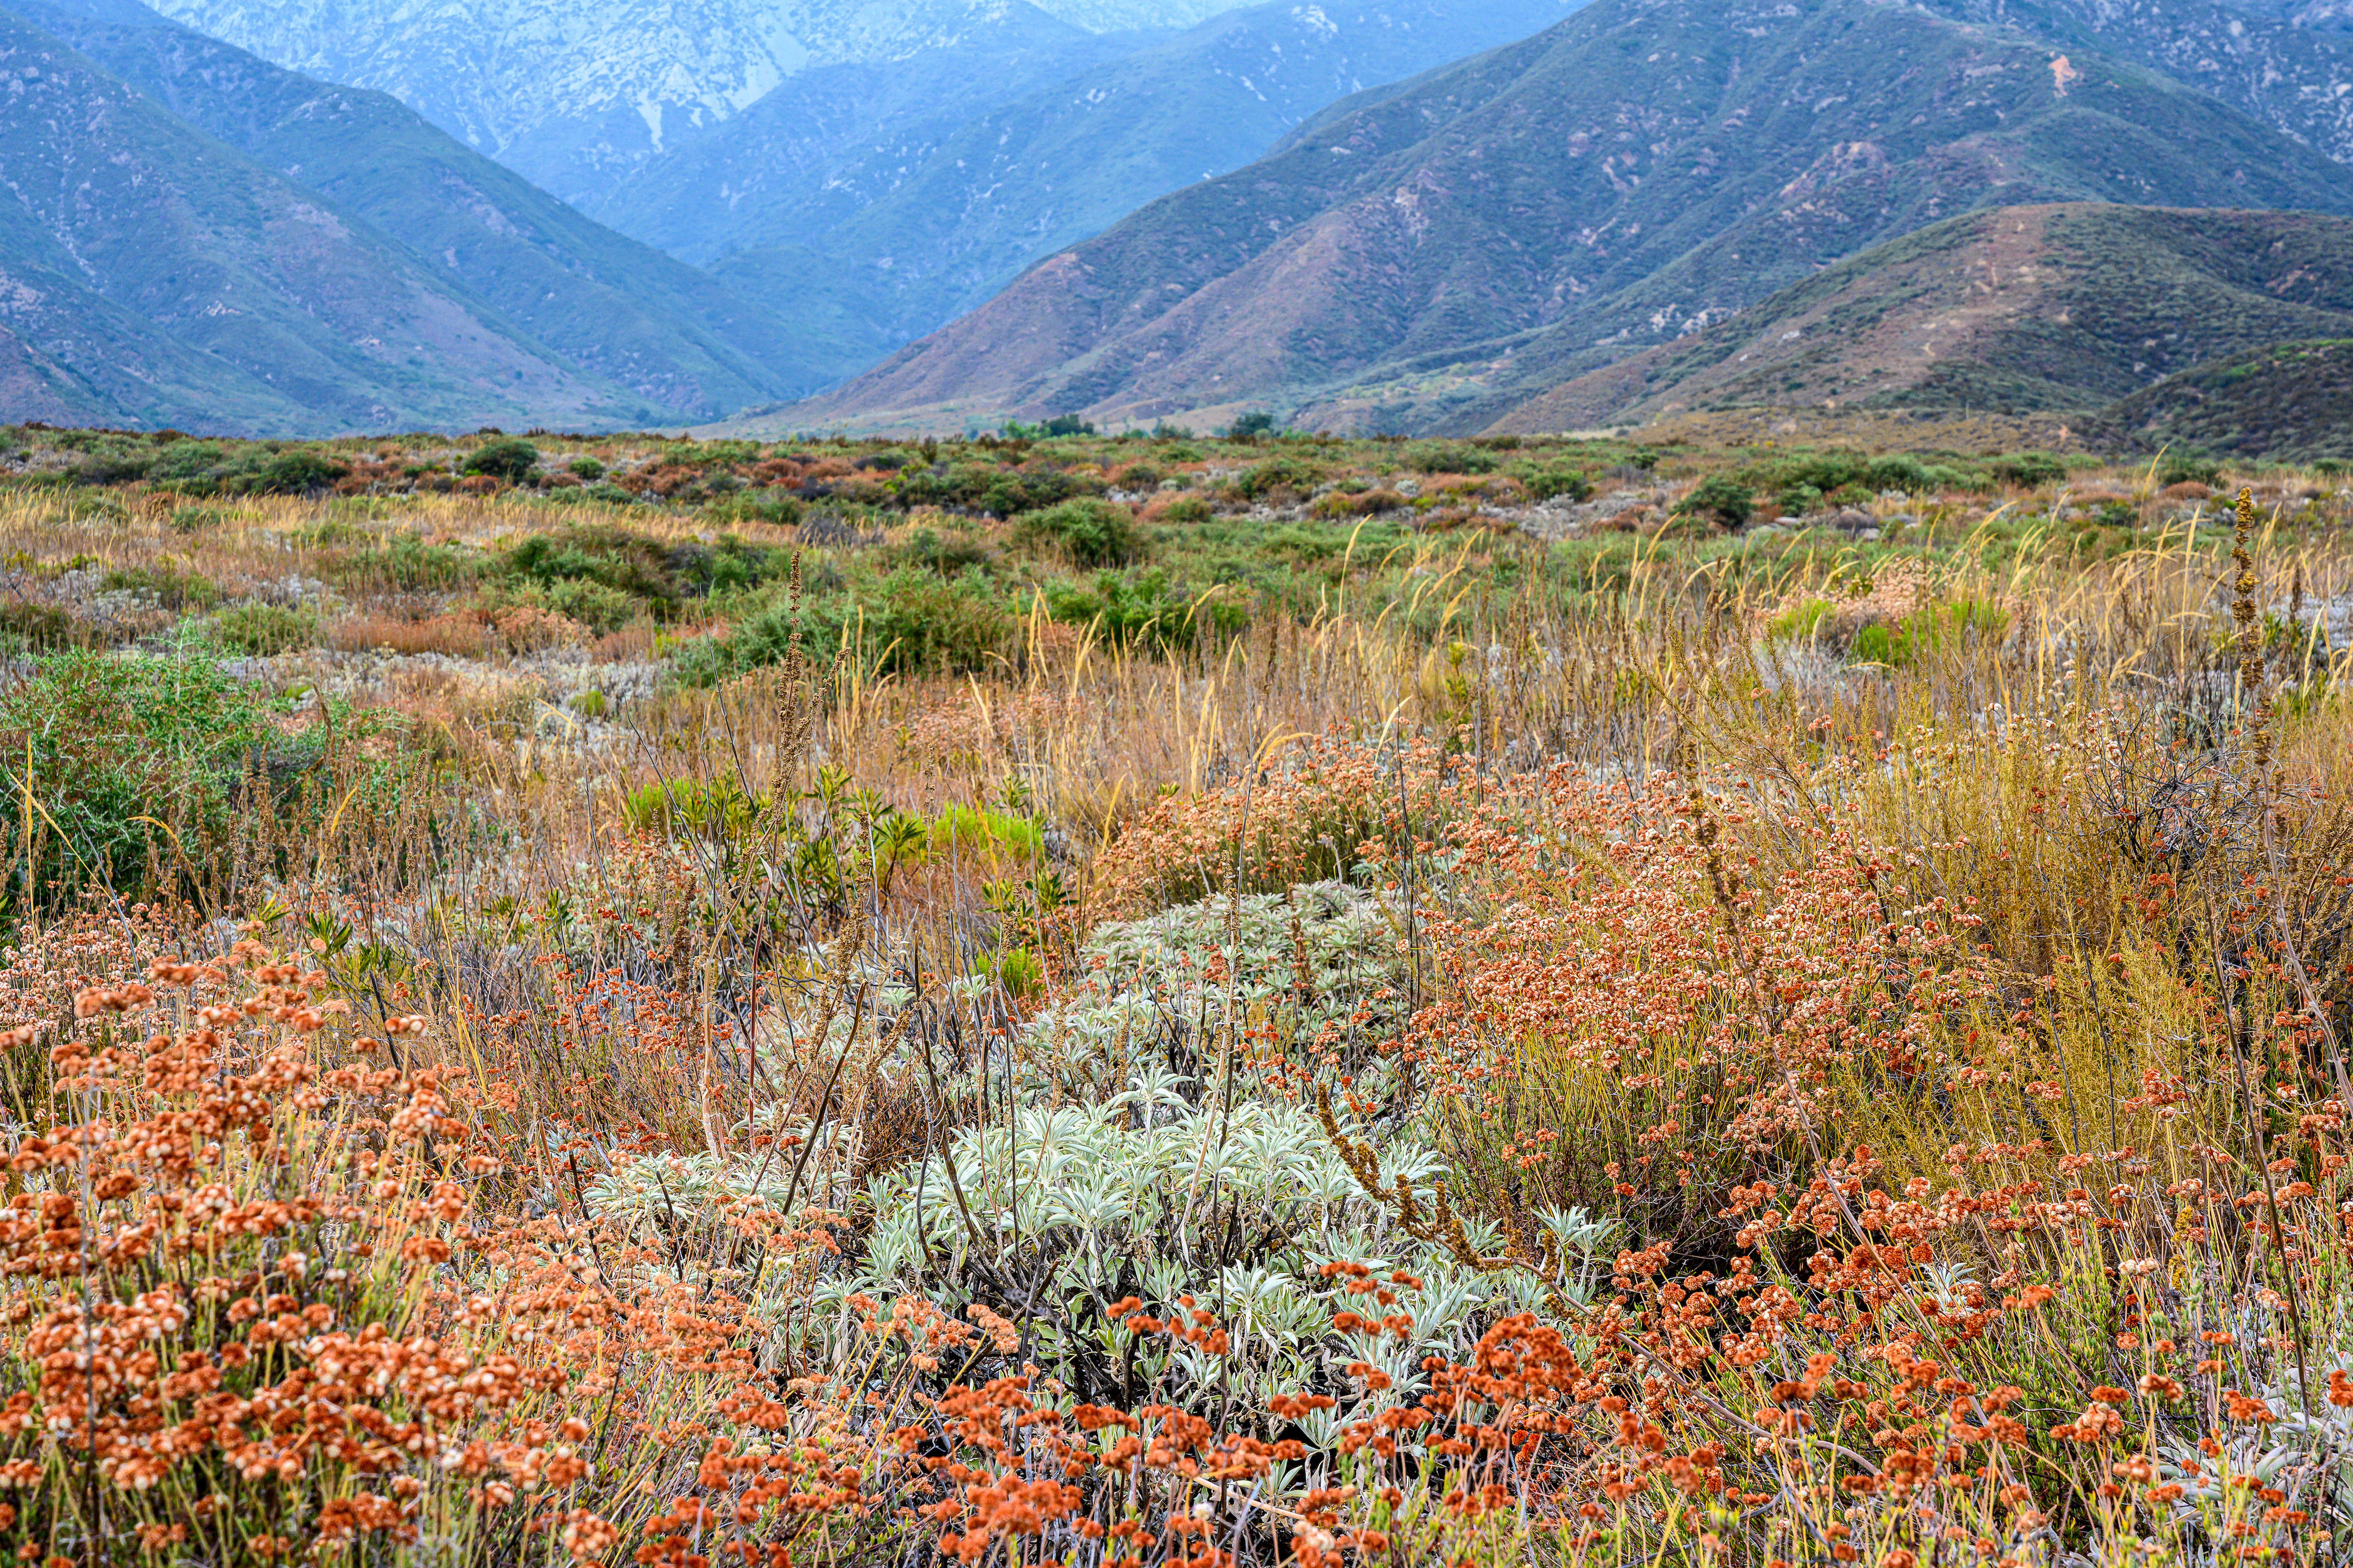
<point>1438,253</point>
<point>827,142</point>
<point>888,240</point>
<point>619,308</point>
<point>147,267</point>
<point>573,94</point>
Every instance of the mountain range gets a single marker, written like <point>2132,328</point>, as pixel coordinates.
<point>1146,210</point>
<point>1434,254</point>
<point>571,94</point>
<point>868,171</point>
<point>191,236</point>
<point>872,239</point>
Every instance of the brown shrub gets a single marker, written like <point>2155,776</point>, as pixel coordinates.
<point>459,634</point>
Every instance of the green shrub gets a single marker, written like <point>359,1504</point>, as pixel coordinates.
<point>967,830</point>
<point>197,518</point>
<point>1358,503</point>
<point>1898,471</point>
<point>585,467</point>
<point>1544,481</point>
<point>413,565</point>
<point>1720,497</point>
<point>598,607</point>
<point>1449,457</point>
<point>1019,971</point>
<point>112,466</point>
<point>121,754</point>
<point>1902,642</point>
<point>1288,474</point>
<point>97,506</point>
<point>2182,468</point>
<point>777,508</point>
<point>687,805</point>
<point>173,587</point>
<point>1189,510</point>
<point>985,487</point>
<point>911,621</point>
<point>1799,621</point>
<point>1799,481</point>
<point>257,630</point>
<point>1140,608</point>
<point>2027,469</point>
<point>509,458</point>
<point>599,566</point>
<point>1095,532</point>
<point>917,622</point>
<point>956,551</point>
<point>299,472</point>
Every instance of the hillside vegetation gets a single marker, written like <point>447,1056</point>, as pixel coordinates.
<point>1179,1000</point>
<point>2281,401</point>
<point>2017,310</point>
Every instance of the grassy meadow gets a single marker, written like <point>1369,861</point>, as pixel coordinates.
<point>1170,1000</point>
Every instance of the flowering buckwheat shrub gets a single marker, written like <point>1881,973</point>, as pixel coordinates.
<point>1611,968</point>
<point>1305,815</point>
<point>255,1308</point>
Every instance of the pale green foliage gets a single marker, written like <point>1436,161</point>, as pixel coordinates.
<point>1145,1159</point>
<point>1187,976</point>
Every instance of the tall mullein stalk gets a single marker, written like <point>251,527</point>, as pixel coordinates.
<point>2253,686</point>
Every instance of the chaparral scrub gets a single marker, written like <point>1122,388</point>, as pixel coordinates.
<point>1625,1072</point>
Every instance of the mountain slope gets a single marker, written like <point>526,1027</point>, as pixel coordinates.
<point>618,308</point>
<point>879,205</point>
<point>2319,15</point>
<point>1640,169</point>
<point>825,144</point>
<point>150,274</point>
<point>2289,69</point>
<point>2289,402</point>
<point>571,93</point>
<point>925,231</point>
<point>2013,310</point>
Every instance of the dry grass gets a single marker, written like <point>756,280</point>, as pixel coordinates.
<point>1780,1107</point>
